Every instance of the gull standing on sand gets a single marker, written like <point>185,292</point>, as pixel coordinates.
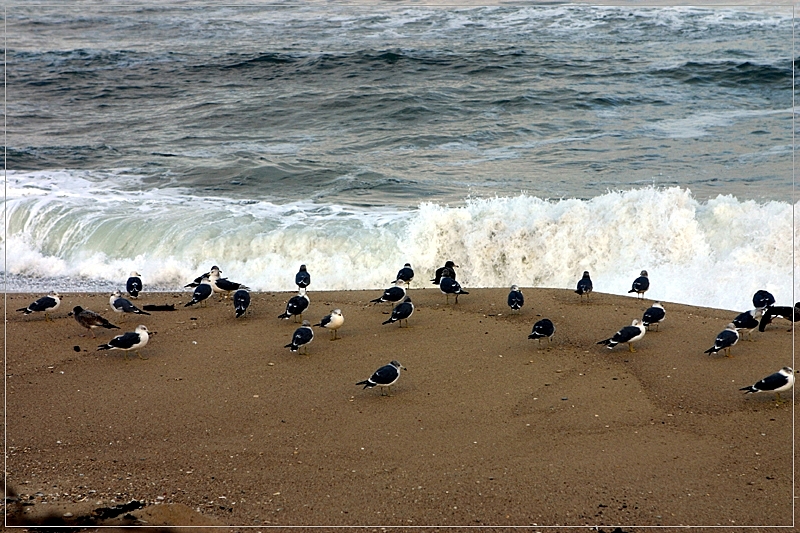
<point>515,298</point>
<point>406,274</point>
<point>132,340</point>
<point>241,301</point>
<point>747,322</point>
<point>628,334</point>
<point>447,271</point>
<point>199,279</point>
<point>301,337</point>
<point>640,284</point>
<point>789,313</point>
<point>45,304</point>
<point>543,329</point>
<point>780,381</point>
<point>654,315</point>
<point>450,286</point>
<point>296,305</point>
<point>332,321</point>
<point>726,338</point>
<point>763,299</point>
<point>90,320</point>
<point>123,306</point>
<point>202,292</point>
<point>401,312</point>
<point>302,279</point>
<point>584,285</point>
<point>222,285</point>
<point>384,377</point>
<point>392,294</point>
<point>134,285</point>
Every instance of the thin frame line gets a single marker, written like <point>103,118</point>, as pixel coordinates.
<point>301,4</point>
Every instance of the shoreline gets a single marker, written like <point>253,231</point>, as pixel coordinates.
<point>485,428</point>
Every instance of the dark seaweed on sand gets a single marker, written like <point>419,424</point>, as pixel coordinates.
<point>166,307</point>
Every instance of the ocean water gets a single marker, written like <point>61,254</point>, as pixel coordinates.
<point>526,143</point>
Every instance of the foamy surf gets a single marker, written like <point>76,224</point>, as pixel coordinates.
<point>67,232</point>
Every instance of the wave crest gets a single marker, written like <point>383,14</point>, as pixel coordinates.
<point>714,253</point>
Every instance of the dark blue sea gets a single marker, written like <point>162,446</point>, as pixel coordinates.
<point>526,143</point>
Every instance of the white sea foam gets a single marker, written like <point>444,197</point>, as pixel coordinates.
<point>66,229</point>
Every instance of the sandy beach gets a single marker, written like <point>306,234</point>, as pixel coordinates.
<point>223,426</point>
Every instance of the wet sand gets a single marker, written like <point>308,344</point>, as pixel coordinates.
<point>222,425</point>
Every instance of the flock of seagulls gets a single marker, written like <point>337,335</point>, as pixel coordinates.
<point>211,282</point>
<point>743,324</point>
<point>204,286</point>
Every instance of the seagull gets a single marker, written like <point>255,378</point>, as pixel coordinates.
<point>726,338</point>
<point>763,299</point>
<point>199,279</point>
<point>406,274</point>
<point>46,304</point>
<point>132,340</point>
<point>302,336</point>
<point>584,285</point>
<point>392,294</point>
<point>241,301</point>
<point>302,279</point>
<point>640,284</point>
<point>447,271</point>
<point>401,312</point>
<point>223,285</point>
<point>134,285</point>
<point>515,298</point>
<point>748,321</point>
<point>384,377</point>
<point>123,306</point>
<point>543,328</point>
<point>654,315</point>
<point>780,381</point>
<point>333,322</point>
<point>629,334</point>
<point>450,286</point>
<point>201,292</point>
<point>296,305</point>
<point>789,313</point>
<point>90,320</point>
